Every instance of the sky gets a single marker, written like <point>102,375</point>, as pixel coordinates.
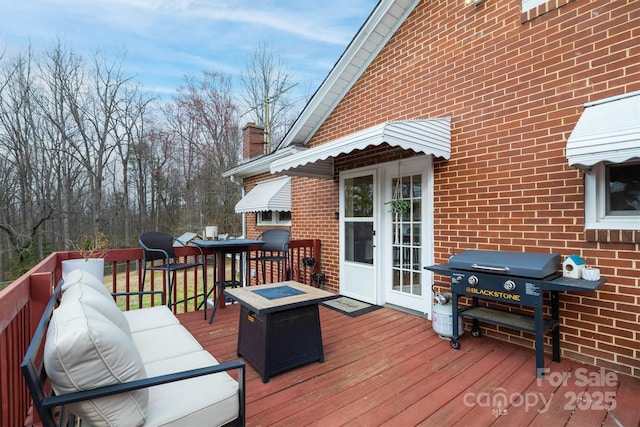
<point>161,41</point>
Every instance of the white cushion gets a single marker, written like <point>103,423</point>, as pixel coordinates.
<point>81,276</point>
<point>150,318</point>
<point>210,400</point>
<point>104,305</point>
<point>83,351</point>
<point>164,343</point>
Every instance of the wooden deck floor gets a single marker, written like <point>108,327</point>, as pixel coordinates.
<point>389,368</point>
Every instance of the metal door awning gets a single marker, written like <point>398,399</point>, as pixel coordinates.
<point>607,131</point>
<point>272,195</point>
<point>428,136</point>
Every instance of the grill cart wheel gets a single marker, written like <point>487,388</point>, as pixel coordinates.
<point>475,333</point>
<point>455,344</point>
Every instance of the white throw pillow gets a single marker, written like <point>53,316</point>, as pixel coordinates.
<point>80,276</point>
<point>84,351</point>
<point>104,305</point>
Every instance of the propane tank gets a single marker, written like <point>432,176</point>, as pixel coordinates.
<point>443,317</point>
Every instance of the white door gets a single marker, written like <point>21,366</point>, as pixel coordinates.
<point>406,244</point>
<point>357,236</point>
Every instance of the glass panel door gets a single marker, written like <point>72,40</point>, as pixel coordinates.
<point>357,240</point>
<point>358,219</point>
<point>406,231</point>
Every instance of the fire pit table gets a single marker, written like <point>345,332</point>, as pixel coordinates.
<point>515,278</point>
<point>279,325</point>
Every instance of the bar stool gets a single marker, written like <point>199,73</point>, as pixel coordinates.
<point>276,249</point>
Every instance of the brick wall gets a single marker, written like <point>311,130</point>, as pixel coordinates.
<point>252,140</point>
<point>514,91</point>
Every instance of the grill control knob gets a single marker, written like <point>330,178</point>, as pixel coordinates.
<point>509,285</point>
<point>473,280</point>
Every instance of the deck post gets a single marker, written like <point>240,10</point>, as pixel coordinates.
<point>41,289</point>
<point>316,255</point>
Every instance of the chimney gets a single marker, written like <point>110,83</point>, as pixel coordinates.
<point>252,140</point>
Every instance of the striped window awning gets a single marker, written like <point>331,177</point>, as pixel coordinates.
<point>272,195</point>
<point>607,131</point>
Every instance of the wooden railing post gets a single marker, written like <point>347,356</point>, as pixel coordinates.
<point>41,288</point>
<point>316,255</point>
<point>41,285</point>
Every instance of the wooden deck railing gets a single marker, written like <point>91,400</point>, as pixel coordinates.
<point>23,301</point>
<point>21,305</point>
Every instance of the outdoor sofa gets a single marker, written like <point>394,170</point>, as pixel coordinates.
<point>135,368</point>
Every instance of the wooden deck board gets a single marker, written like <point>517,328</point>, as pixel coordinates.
<point>627,408</point>
<point>480,391</point>
<point>389,368</point>
<point>483,415</point>
<point>380,388</point>
<point>446,388</point>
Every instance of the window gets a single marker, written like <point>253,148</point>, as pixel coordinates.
<point>532,9</point>
<point>530,4</point>
<point>623,189</point>
<point>612,196</point>
<point>274,218</point>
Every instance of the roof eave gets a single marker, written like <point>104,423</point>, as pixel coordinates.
<point>258,165</point>
<point>374,34</point>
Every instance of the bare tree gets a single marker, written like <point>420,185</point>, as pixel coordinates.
<point>21,145</point>
<point>66,131</point>
<point>82,153</point>
<point>156,174</point>
<point>205,133</point>
<point>129,133</point>
<point>266,83</point>
<point>87,112</point>
<point>96,118</point>
<point>62,75</point>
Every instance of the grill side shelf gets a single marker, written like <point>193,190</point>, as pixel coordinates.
<point>575,285</point>
<point>443,269</point>
<point>517,321</point>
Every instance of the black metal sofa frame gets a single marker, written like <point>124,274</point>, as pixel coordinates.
<point>51,408</point>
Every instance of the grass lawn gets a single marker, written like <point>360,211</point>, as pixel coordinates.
<point>146,300</point>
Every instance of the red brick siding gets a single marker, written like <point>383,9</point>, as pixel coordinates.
<point>252,140</point>
<point>514,91</point>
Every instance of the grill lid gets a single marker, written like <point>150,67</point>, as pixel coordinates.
<point>523,264</point>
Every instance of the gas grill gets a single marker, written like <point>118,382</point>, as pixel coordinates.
<point>515,278</point>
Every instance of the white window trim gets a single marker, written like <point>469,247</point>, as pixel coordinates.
<point>530,4</point>
<point>274,221</point>
<point>595,204</point>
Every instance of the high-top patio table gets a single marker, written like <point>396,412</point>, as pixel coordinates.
<point>220,249</point>
<point>279,325</point>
